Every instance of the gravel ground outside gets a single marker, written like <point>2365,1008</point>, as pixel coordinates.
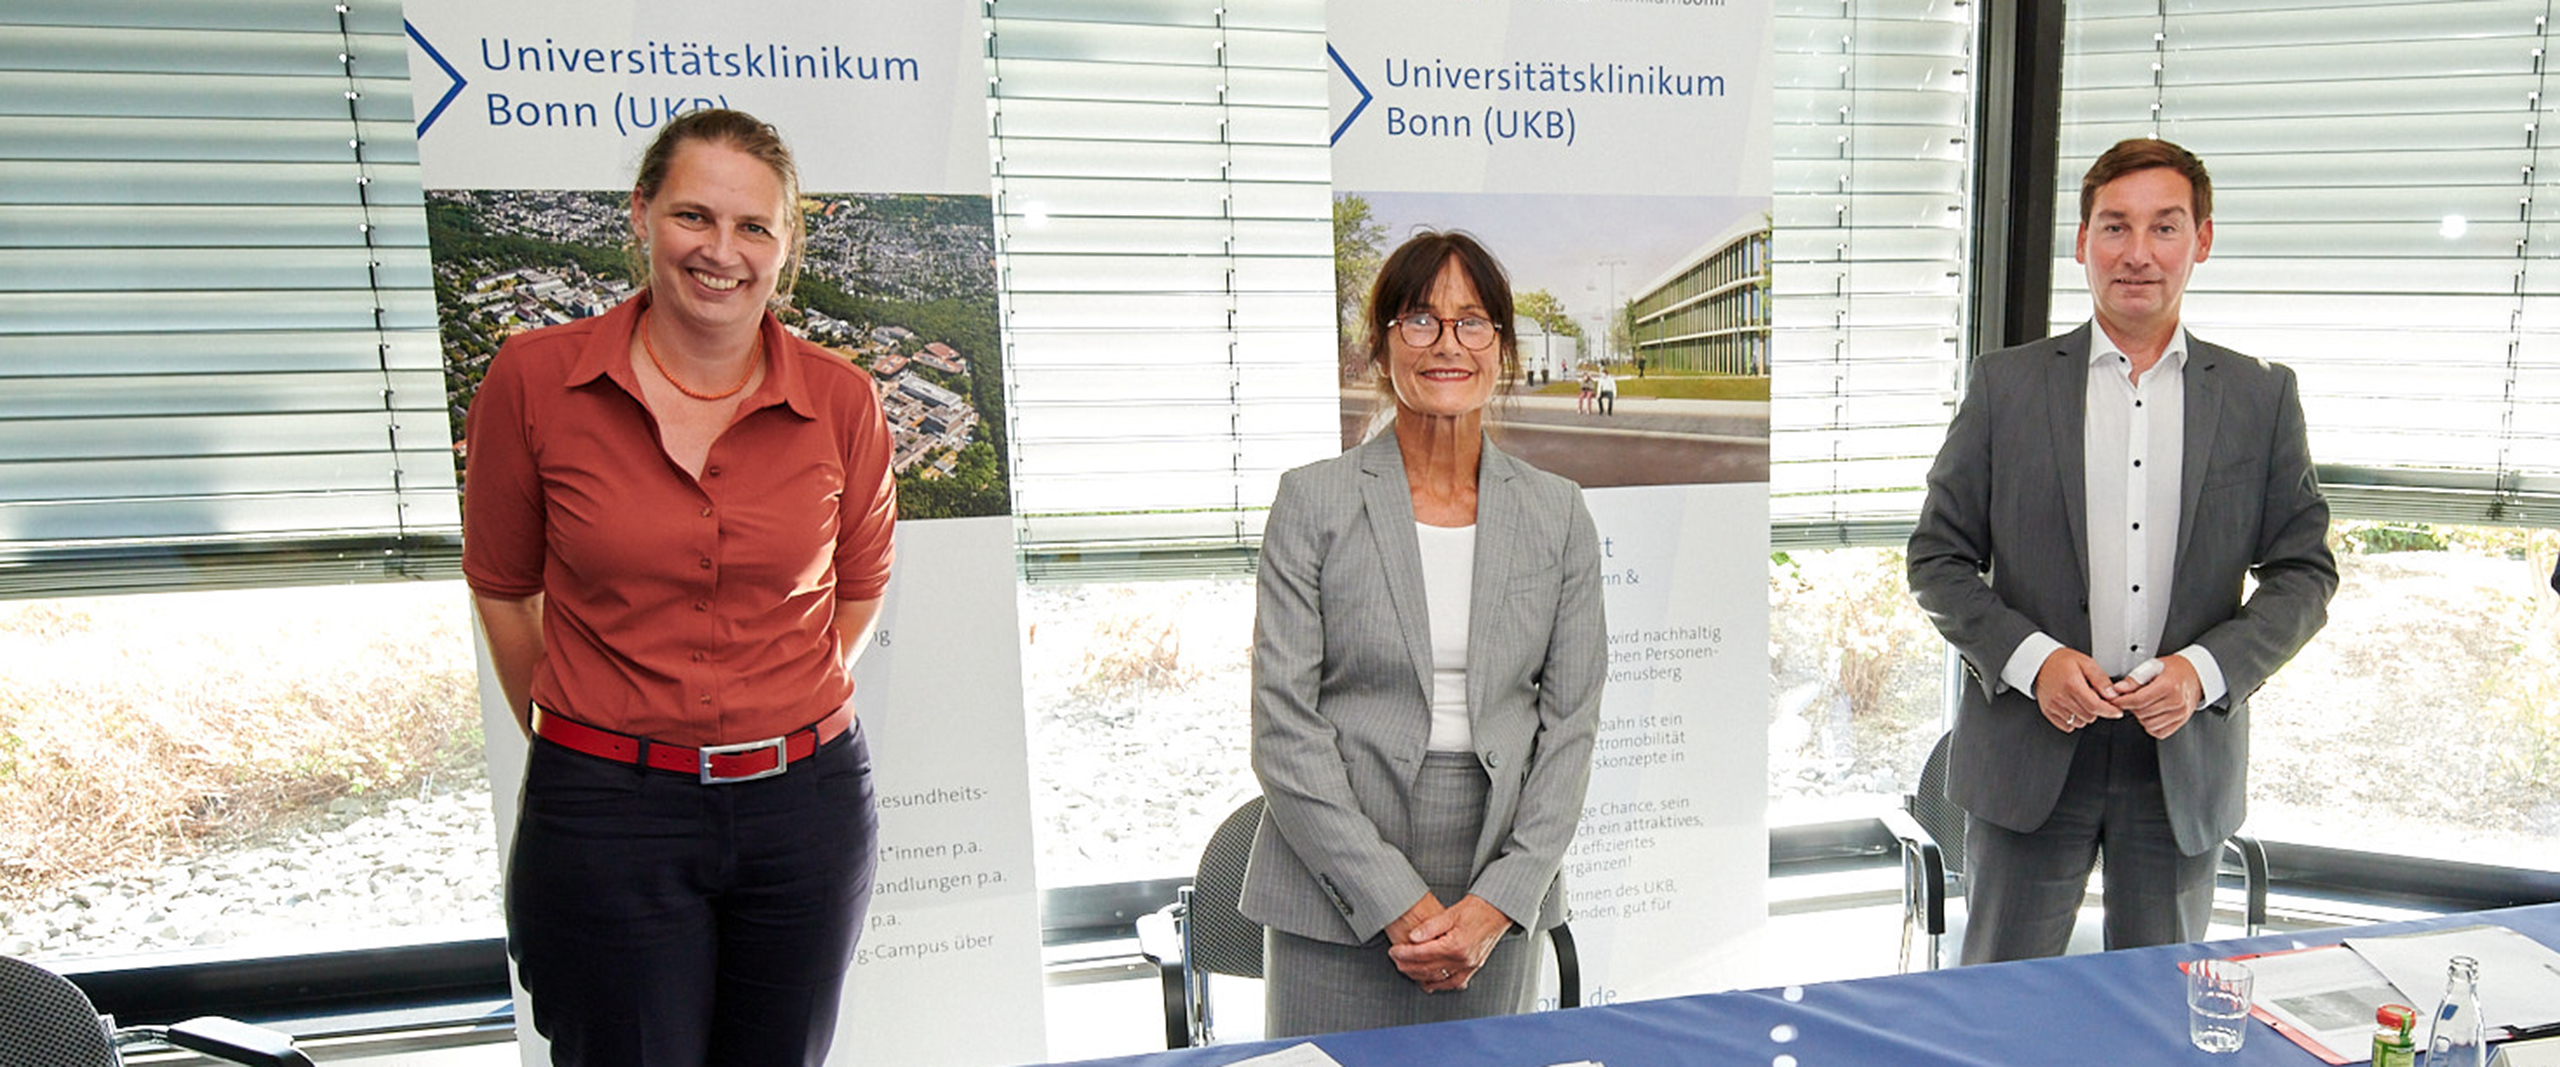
<point>2424,720</point>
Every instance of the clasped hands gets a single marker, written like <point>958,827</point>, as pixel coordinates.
<point>2073,691</point>
<point>1440,947</point>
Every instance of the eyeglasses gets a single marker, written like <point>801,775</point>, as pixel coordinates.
<point>1422,330</point>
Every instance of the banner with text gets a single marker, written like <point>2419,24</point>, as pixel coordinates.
<point>1615,157</point>
<point>531,119</point>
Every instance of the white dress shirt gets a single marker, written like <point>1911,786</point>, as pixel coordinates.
<point>2133,446</point>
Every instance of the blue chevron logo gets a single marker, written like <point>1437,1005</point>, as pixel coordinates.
<point>447,99</point>
<point>1356,109</point>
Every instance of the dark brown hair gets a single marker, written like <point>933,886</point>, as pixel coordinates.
<point>2144,153</point>
<point>1404,284</point>
<point>745,133</point>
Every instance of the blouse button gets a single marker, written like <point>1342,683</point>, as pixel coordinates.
<point>706,513</point>
<point>701,605</point>
<point>706,563</point>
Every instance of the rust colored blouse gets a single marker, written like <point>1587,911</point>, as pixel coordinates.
<point>695,611</point>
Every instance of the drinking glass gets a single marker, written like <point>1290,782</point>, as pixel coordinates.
<point>2218,1004</point>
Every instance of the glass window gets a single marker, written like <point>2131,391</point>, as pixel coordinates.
<point>2424,719</point>
<point>225,401</point>
<point>1137,695</point>
<point>216,319</point>
<point>1873,183</point>
<point>268,770</point>
<point>1164,241</point>
<point>1855,676</point>
<point>2365,226</point>
<point>1872,187</point>
<point>2381,234</point>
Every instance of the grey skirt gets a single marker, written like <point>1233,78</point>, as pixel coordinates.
<point>1318,987</point>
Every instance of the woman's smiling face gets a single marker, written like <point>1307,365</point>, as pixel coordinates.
<point>717,235</point>
<point>1445,378</point>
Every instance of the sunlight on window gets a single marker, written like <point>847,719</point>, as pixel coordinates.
<point>1136,697</point>
<point>268,766</point>
<point>2425,718</point>
<point>1854,682</point>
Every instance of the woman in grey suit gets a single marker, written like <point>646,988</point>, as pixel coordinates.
<point>1428,655</point>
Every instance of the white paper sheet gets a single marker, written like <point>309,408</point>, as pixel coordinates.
<point>2541,1052</point>
<point>2519,977</point>
<point>2326,994</point>
<point>1303,1054</point>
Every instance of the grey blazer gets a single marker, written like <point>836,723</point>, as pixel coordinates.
<point>2001,551</point>
<point>1342,677</point>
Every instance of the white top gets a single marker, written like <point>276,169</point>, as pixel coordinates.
<point>2133,446</point>
<point>1448,586</point>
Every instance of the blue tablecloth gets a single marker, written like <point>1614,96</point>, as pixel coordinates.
<point>2108,1008</point>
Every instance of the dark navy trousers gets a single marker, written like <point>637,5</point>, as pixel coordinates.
<point>657,920</point>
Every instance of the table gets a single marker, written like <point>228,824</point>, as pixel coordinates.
<point>2104,1008</point>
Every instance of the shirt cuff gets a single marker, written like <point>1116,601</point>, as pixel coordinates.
<point>2020,672</point>
<point>2208,672</point>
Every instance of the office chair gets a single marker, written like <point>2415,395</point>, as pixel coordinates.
<point>1201,933</point>
<point>45,1021</point>
<point>1930,829</point>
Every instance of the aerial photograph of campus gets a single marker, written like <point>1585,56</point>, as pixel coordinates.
<point>901,285</point>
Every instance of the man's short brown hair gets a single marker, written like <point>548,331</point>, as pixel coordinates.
<point>2143,153</point>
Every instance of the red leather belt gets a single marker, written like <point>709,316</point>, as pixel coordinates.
<point>711,764</point>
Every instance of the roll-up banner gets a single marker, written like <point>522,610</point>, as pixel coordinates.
<point>1615,156</point>
<point>531,119</point>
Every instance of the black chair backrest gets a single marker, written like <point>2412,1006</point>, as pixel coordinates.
<point>1929,806</point>
<point>45,1021</point>
<point>1223,941</point>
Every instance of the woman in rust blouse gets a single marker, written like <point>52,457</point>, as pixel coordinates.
<point>677,533</point>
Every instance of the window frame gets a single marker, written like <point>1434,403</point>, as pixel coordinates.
<point>2016,132</point>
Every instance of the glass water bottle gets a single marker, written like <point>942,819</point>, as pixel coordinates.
<point>2454,1037</point>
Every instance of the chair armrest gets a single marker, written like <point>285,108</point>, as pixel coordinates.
<point>1160,941</point>
<point>1924,872</point>
<point>1906,829</point>
<point>1159,936</point>
<point>2253,868</point>
<point>236,1041</point>
<point>1568,966</point>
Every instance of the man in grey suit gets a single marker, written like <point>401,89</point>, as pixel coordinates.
<point>2091,521</point>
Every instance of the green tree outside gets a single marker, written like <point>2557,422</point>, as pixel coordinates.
<point>1359,247</point>
<point>1542,307</point>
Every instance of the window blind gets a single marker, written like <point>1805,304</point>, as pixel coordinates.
<point>1165,254</point>
<point>218,356</point>
<point>1873,172</point>
<point>2386,225</point>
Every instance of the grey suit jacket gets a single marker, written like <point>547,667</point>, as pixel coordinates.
<point>2001,551</point>
<point>1342,677</point>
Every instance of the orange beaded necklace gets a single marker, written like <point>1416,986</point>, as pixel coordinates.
<point>755,358</point>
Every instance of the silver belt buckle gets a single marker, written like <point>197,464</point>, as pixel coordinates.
<point>781,759</point>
